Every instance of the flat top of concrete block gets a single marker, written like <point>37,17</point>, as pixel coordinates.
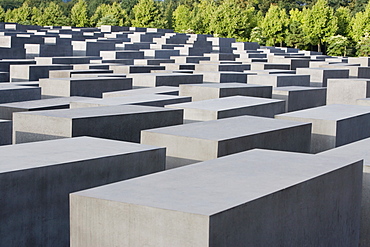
<point>97,111</point>
<point>272,71</point>
<point>4,120</point>
<point>320,69</point>
<point>357,150</point>
<point>214,186</point>
<point>160,74</point>
<point>54,152</point>
<point>225,103</point>
<point>349,80</point>
<point>278,75</point>
<point>297,88</point>
<point>330,112</point>
<point>227,128</point>
<point>11,86</point>
<point>34,104</point>
<point>223,85</point>
<point>100,78</point>
<point>133,99</point>
<point>152,90</point>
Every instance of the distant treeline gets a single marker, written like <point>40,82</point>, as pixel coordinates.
<point>337,27</point>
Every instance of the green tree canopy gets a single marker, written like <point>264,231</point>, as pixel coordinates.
<point>147,14</point>
<point>294,35</point>
<point>231,21</point>
<point>319,23</point>
<point>182,18</point>
<point>274,25</point>
<point>51,15</point>
<point>79,14</point>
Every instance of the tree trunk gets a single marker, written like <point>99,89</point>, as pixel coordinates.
<point>319,47</point>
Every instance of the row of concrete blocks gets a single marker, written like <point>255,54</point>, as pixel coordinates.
<point>243,198</point>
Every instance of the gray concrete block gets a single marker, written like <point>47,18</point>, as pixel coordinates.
<point>218,90</point>
<point>320,76</point>
<point>360,150</point>
<point>333,125</point>
<point>163,53</point>
<point>126,54</point>
<point>5,132</point>
<point>129,69</point>
<point>139,99</point>
<point>70,73</point>
<point>36,179</point>
<point>64,60</point>
<point>88,87</point>
<point>225,76</point>
<point>221,67</point>
<point>166,90</point>
<point>34,72</point>
<point>264,66</point>
<point>247,198</point>
<point>190,59</point>
<point>15,93</point>
<point>280,80</point>
<point>347,91</point>
<point>299,98</point>
<point>152,61</point>
<point>165,79</point>
<point>232,106</point>
<point>122,122</point>
<point>7,109</point>
<point>213,139</point>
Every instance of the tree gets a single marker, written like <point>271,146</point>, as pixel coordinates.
<point>294,35</point>
<point>21,15</point>
<point>51,15</point>
<point>2,14</point>
<point>79,14</point>
<point>274,25</point>
<point>182,18</point>
<point>343,15</point>
<point>231,21</point>
<point>114,14</point>
<point>360,24</point>
<point>363,46</point>
<point>319,23</point>
<point>201,16</point>
<point>147,14</point>
<point>337,45</point>
<point>256,36</point>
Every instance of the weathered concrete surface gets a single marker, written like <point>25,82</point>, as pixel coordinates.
<point>213,139</point>
<point>36,179</point>
<point>123,122</point>
<point>333,125</point>
<point>232,106</point>
<point>218,90</point>
<point>259,197</point>
<point>358,150</point>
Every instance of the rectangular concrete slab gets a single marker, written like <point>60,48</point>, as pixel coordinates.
<point>347,91</point>
<point>230,201</point>
<point>212,139</point>
<point>166,90</point>
<point>15,93</point>
<point>7,109</point>
<point>88,87</point>
<point>140,99</point>
<point>280,80</point>
<point>36,179</point>
<point>232,106</point>
<point>333,125</point>
<point>319,76</point>
<point>123,122</point>
<point>358,150</point>
<point>298,98</point>
<point>166,79</point>
<point>218,90</point>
